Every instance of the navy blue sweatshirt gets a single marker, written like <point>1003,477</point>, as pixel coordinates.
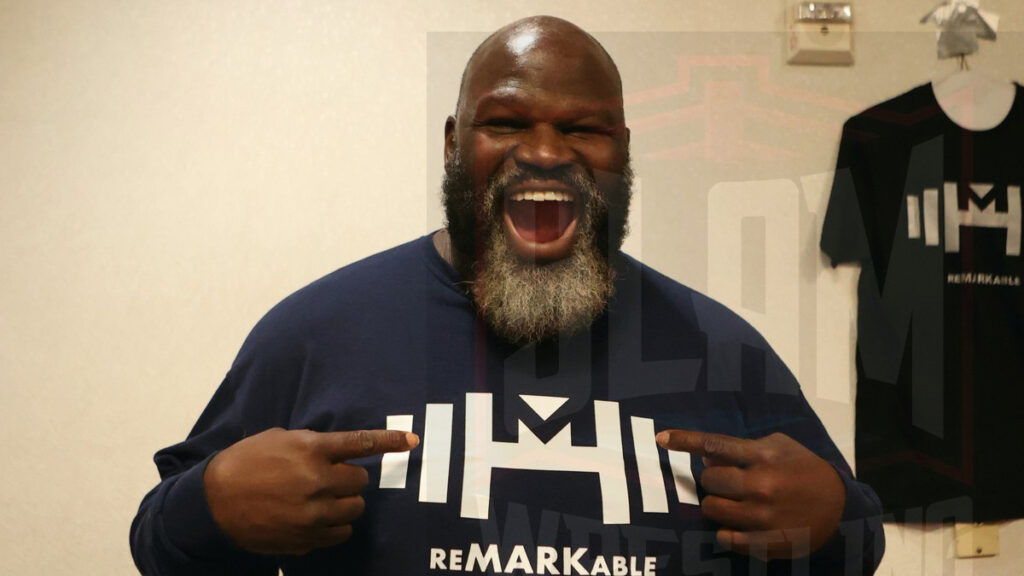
<point>537,459</point>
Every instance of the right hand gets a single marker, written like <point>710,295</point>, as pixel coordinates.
<point>290,491</point>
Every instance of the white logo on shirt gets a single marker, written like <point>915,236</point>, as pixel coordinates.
<point>482,455</point>
<point>975,216</point>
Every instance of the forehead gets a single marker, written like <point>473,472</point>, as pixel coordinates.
<point>569,71</point>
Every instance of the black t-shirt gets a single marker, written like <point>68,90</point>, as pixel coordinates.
<point>932,213</point>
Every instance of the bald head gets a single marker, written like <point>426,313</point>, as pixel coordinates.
<point>567,45</point>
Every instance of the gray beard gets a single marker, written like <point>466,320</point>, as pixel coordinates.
<point>523,301</point>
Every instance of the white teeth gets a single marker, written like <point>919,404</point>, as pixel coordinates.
<point>542,196</point>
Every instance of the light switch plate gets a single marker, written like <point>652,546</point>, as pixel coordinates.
<point>976,540</point>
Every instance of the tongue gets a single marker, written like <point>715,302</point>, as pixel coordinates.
<point>540,221</point>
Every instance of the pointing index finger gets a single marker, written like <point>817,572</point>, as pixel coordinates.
<point>340,446</point>
<point>717,447</point>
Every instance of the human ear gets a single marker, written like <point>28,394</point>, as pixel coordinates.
<point>449,140</point>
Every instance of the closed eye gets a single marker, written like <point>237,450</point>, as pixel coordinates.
<point>504,125</point>
<point>586,129</point>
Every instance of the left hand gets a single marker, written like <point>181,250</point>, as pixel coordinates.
<point>773,497</point>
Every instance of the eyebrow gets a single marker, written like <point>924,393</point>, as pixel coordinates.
<point>511,98</point>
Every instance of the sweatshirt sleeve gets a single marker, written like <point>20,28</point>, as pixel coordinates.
<point>174,532</point>
<point>858,545</point>
<point>780,406</point>
<point>769,400</point>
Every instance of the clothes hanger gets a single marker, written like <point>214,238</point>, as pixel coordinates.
<point>972,99</point>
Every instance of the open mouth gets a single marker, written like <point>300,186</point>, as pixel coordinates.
<point>541,220</point>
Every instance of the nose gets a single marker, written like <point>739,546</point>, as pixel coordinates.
<point>544,146</point>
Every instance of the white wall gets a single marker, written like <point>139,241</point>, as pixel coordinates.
<point>169,170</point>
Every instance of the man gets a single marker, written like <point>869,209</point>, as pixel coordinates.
<point>537,363</point>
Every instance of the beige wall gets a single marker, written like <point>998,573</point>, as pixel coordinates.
<point>169,170</point>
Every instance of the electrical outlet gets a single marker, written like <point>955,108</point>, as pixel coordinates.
<point>976,540</point>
